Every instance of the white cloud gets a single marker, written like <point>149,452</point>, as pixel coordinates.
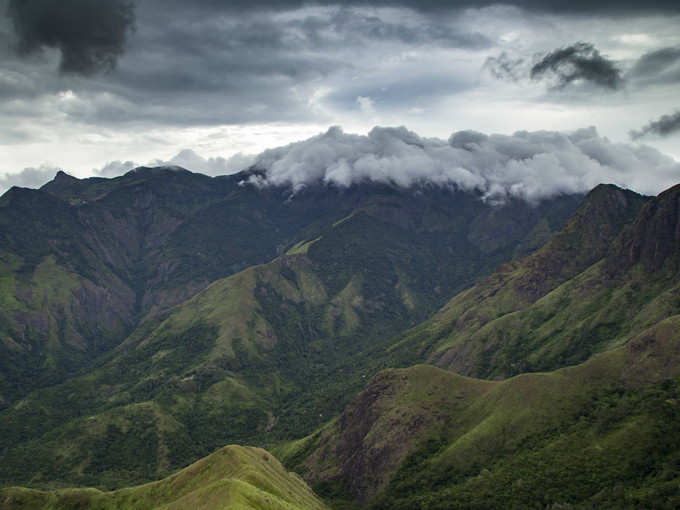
<point>190,160</point>
<point>529,165</point>
<point>114,168</point>
<point>366,104</point>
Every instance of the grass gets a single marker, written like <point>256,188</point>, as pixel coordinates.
<point>302,247</point>
<point>426,438</point>
<point>269,353</point>
<point>234,477</point>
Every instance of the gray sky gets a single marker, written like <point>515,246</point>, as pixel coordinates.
<point>97,87</point>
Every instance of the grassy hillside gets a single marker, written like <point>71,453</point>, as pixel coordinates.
<point>596,434</point>
<point>557,307</point>
<point>269,353</point>
<point>276,350</point>
<point>135,246</point>
<point>234,477</point>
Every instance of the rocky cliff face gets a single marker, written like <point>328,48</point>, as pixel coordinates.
<point>654,239</point>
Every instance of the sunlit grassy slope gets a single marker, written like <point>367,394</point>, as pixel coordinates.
<point>135,246</point>
<point>235,477</point>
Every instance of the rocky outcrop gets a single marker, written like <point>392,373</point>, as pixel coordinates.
<point>654,239</point>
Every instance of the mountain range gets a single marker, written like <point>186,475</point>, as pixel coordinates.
<point>398,347</point>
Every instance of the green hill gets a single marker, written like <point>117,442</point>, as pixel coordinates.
<point>84,262</point>
<point>556,307</point>
<point>267,354</point>
<point>601,434</point>
<point>575,348</point>
<point>234,477</point>
<point>597,300</point>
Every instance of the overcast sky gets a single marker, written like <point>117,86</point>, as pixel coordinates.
<point>96,87</point>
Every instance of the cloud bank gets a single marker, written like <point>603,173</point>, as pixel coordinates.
<point>114,168</point>
<point>527,165</point>
<point>211,166</point>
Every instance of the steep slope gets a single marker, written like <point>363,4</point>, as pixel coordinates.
<point>269,352</point>
<point>84,262</point>
<point>422,437</point>
<point>556,307</point>
<point>265,354</point>
<point>61,304</point>
<point>235,477</point>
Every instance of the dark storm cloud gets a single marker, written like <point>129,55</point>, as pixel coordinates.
<point>665,125</point>
<point>347,26</point>
<point>90,34</point>
<point>216,62</point>
<point>555,6</point>
<point>576,63</point>
<point>504,67</point>
<point>195,66</point>
<point>221,54</point>
<point>611,7</point>
<point>659,66</point>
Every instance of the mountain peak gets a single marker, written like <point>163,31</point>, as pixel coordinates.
<point>655,238</point>
<point>63,176</point>
<point>61,183</point>
<point>587,237</point>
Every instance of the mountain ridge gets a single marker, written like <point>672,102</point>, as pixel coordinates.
<point>409,430</point>
<point>271,351</point>
<point>276,349</point>
<point>233,477</point>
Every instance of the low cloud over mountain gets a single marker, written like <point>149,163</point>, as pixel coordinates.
<point>529,165</point>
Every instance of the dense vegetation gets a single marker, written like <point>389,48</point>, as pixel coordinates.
<point>467,449</point>
<point>166,314</point>
<point>267,354</point>
<point>621,451</point>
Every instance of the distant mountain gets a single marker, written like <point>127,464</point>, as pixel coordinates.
<point>265,354</point>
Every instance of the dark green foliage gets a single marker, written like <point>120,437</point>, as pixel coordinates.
<point>147,241</point>
<point>622,451</point>
<point>385,259</point>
